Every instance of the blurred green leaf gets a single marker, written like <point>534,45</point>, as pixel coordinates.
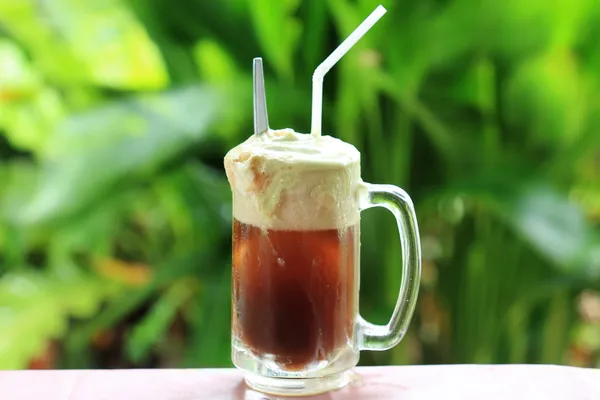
<point>278,31</point>
<point>211,326</point>
<point>156,323</point>
<point>173,29</point>
<point>94,152</point>
<point>36,308</point>
<point>313,38</point>
<point>216,66</point>
<point>17,78</point>
<point>547,220</point>
<point>195,198</point>
<point>214,62</point>
<point>547,96</point>
<point>169,271</point>
<point>29,109</point>
<point>558,230</point>
<point>117,54</point>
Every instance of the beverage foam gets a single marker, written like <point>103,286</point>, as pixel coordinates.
<point>282,179</point>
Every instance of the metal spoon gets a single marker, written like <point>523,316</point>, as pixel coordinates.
<point>261,117</point>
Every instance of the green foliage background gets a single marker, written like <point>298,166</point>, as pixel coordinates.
<point>115,213</point>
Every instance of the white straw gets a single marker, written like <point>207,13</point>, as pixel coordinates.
<point>325,66</point>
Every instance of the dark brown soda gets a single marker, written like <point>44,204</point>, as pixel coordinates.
<point>294,292</point>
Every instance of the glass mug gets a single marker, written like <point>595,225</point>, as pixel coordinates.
<point>296,329</point>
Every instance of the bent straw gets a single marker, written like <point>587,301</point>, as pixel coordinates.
<point>325,66</point>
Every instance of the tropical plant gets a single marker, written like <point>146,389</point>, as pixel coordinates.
<point>115,213</point>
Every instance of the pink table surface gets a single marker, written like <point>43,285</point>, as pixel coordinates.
<point>399,382</point>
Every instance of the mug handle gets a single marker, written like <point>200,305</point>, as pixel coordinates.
<point>384,337</point>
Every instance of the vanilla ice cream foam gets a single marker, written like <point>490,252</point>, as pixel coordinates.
<point>286,180</point>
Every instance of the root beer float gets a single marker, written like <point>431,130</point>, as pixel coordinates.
<point>294,256</point>
<point>297,198</point>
